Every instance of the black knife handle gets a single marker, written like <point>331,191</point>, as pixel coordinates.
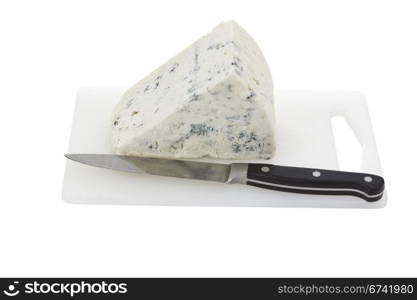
<point>369,187</point>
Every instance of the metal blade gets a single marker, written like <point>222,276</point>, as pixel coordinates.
<point>156,166</point>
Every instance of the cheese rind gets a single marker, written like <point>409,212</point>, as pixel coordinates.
<point>214,99</point>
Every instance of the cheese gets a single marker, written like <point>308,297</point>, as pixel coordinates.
<point>213,100</point>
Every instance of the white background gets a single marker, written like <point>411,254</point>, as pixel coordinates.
<point>50,48</point>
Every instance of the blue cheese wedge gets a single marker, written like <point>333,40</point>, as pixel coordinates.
<point>212,100</point>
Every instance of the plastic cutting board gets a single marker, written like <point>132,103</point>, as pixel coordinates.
<point>304,139</point>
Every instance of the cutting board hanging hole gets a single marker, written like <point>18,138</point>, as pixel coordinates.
<point>349,150</point>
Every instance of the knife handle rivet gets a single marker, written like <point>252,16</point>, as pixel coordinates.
<point>316,174</point>
<point>368,178</point>
<point>265,169</point>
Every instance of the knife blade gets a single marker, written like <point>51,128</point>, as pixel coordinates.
<point>369,187</point>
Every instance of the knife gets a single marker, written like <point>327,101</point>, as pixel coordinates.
<point>369,187</point>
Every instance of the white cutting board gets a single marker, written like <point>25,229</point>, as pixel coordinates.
<point>304,139</point>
